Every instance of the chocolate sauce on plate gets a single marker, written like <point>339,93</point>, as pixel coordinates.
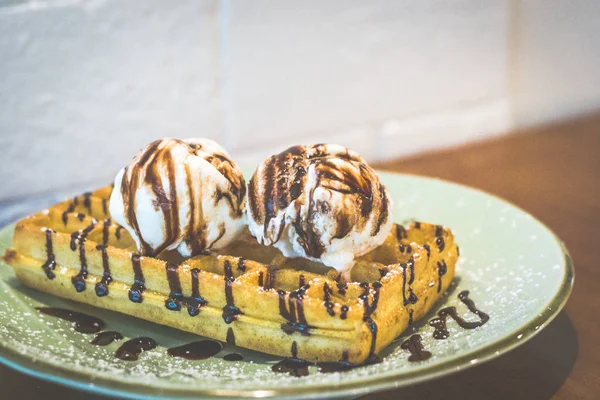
<point>198,350</point>
<point>415,346</point>
<point>107,337</point>
<point>82,323</point>
<point>131,349</point>
<point>292,365</point>
<point>439,323</point>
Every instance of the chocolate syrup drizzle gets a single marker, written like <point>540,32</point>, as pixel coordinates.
<point>105,227</point>
<point>439,323</point>
<point>70,209</point>
<point>284,178</point>
<point>292,365</point>
<point>157,162</point>
<point>400,232</point>
<point>230,311</point>
<point>301,281</point>
<point>414,345</point>
<point>79,279</point>
<point>295,314</point>
<point>80,237</point>
<point>241,266</point>
<point>442,269</point>
<point>131,349</point>
<point>87,203</point>
<point>107,337</point>
<point>426,247</point>
<point>412,297</point>
<point>230,338</point>
<point>327,292</point>
<point>338,366</point>
<point>344,312</point>
<point>195,301</point>
<point>102,286</point>
<point>50,263</point>
<point>138,287</point>
<point>82,323</point>
<point>269,282</point>
<point>369,309</point>
<point>175,296</point>
<point>199,350</point>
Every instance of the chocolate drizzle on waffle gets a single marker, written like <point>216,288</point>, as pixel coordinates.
<point>70,209</point>
<point>50,263</point>
<point>228,281</point>
<point>442,269</point>
<point>195,301</point>
<point>269,280</point>
<point>369,309</point>
<point>102,286</point>
<point>327,292</point>
<point>295,314</point>
<point>292,365</point>
<point>411,298</point>
<point>155,169</point>
<point>138,287</point>
<point>230,338</point>
<point>439,238</point>
<point>176,298</point>
<point>80,237</point>
<point>105,230</point>
<point>439,323</point>
<point>230,311</point>
<point>173,301</point>
<point>283,180</point>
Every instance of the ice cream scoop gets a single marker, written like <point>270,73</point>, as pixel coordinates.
<point>321,202</point>
<point>180,194</point>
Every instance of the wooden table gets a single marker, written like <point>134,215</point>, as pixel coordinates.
<point>554,173</point>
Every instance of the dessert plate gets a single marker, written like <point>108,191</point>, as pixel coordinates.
<point>515,269</point>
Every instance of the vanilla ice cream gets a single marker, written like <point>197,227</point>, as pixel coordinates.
<point>321,202</point>
<point>180,194</point>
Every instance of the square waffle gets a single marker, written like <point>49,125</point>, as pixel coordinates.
<point>247,294</point>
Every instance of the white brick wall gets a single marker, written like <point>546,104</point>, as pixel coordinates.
<point>556,59</point>
<point>84,84</point>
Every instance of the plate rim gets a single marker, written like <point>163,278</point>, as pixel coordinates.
<point>72,378</point>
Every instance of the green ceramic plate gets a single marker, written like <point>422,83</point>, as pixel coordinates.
<point>515,268</point>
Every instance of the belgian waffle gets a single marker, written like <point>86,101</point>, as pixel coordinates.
<point>247,294</point>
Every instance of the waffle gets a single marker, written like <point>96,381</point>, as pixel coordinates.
<point>247,294</point>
